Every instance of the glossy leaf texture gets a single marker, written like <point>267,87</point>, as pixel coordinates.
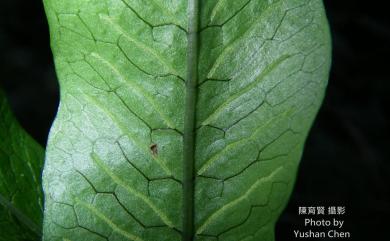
<point>114,165</point>
<point>21,197</point>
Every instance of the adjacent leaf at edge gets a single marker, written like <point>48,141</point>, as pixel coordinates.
<point>21,162</point>
<point>114,167</point>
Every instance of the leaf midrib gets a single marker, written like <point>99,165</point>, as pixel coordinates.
<point>189,121</point>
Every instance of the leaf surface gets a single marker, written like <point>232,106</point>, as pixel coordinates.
<point>21,162</point>
<point>180,119</point>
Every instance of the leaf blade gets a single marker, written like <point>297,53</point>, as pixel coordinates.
<point>21,158</point>
<point>262,73</point>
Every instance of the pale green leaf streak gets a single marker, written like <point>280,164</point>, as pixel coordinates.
<point>110,223</point>
<point>148,50</point>
<point>134,139</point>
<point>164,10</point>
<point>216,9</point>
<point>137,89</point>
<point>231,46</point>
<point>120,182</point>
<point>208,163</point>
<point>237,201</point>
<point>213,116</point>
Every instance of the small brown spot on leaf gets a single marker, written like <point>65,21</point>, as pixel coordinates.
<point>154,149</point>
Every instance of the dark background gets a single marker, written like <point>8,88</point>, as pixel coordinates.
<point>346,160</point>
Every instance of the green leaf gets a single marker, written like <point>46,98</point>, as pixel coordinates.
<point>180,120</point>
<point>21,162</point>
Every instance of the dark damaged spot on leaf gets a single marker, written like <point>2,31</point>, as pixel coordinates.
<point>154,149</point>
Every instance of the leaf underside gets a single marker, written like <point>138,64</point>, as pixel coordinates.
<point>21,161</point>
<point>114,166</point>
